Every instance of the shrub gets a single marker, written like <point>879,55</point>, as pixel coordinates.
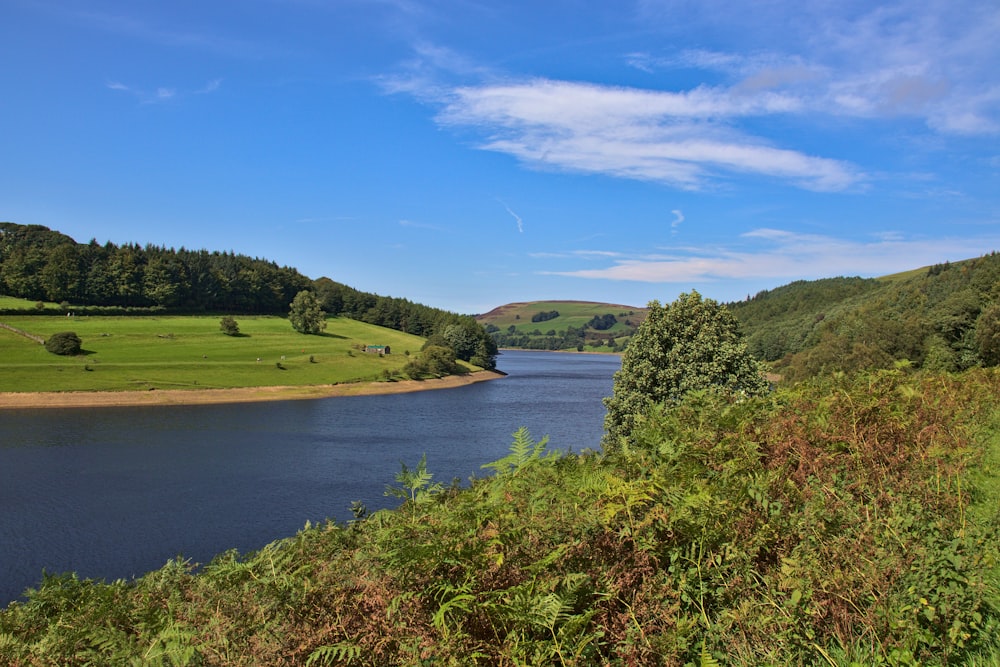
<point>229,326</point>
<point>64,343</point>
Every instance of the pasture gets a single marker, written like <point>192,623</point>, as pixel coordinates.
<point>191,352</point>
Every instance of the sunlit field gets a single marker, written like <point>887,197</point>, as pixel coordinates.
<point>174,352</point>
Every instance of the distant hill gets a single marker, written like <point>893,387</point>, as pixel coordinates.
<point>562,325</point>
<point>944,317</point>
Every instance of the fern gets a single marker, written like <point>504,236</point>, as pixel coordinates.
<point>416,484</point>
<point>706,659</point>
<point>334,654</point>
<point>453,600</point>
<point>523,452</point>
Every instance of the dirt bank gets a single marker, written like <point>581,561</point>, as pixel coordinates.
<point>94,399</point>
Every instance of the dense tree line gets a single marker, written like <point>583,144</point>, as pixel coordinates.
<point>462,333</point>
<point>43,265</point>
<point>39,264</point>
<point>566,339</point>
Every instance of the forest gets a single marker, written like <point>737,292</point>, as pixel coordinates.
<point>944,317</point>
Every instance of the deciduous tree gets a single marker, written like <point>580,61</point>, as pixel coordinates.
<point>306,315</point>
<point>693,343</point>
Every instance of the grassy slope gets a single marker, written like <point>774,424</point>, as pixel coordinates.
<point>178,352</point>
<point>23,304</point>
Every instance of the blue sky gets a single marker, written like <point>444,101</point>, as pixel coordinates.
<point>465,154</point>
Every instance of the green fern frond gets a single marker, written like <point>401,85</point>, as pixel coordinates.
<point>706,659</point>
<point>523,451</point>
<point>334,654</point>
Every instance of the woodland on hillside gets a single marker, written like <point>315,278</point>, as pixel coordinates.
<point>942,318</point>
<point>42,265</point>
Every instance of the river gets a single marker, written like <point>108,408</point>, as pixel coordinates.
<point>115,492</point>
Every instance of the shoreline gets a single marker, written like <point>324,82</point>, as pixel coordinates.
<point>97,399</point>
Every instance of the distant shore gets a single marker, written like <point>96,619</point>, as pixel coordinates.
<point>96,399</point>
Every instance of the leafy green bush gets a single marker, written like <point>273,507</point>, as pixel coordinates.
<point>64,343</point>
<point>229,326</point>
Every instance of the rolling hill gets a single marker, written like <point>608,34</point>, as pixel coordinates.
<point>562,325</point>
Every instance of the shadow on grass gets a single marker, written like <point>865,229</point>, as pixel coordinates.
<point>324,334</point>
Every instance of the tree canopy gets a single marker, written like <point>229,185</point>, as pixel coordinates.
<point>306,315</point>
<point>691,344</point>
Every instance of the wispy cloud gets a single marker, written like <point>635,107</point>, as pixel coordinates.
<point>930,60</point>
<point>161,93</point>
<point>151,30</point>
<point>517,218</point>
<point>779,254</point>
<point>677,138</point>
<point>676,222</point>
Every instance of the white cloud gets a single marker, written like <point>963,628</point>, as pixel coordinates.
<point>933,60</point>
<point>789,256</point>
<point>678,138</point>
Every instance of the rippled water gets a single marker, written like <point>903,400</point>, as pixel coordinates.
<point>115,492</point>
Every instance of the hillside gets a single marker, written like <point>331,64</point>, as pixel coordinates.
<point>562,325</point>
<point>191,352</point>
<point>944,317</point>
<point>60,275</point>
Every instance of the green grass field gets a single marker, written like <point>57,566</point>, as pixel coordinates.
<point>22,304</point>
<point>185,352</point>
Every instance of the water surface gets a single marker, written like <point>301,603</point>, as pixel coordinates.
<point>115,492</point>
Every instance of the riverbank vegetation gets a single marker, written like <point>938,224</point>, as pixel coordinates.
<point>848,515</point>
<point>848,520</point>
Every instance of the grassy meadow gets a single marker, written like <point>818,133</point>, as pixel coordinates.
<point>191,352</point>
